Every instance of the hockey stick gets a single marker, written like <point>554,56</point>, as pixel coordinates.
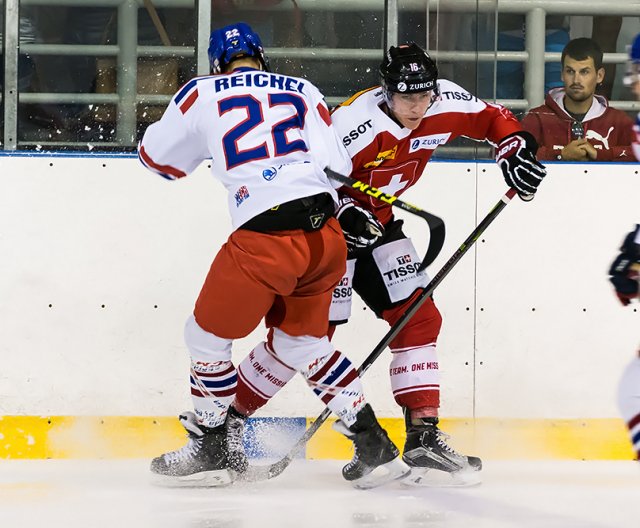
<point>435,223</point>
<point>258,473</point>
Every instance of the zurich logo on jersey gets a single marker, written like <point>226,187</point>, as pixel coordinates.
<point>270,173</point>
<point>428,142</point>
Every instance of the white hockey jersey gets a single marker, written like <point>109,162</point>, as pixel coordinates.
<point>269,137</point>
<point>390,157</point>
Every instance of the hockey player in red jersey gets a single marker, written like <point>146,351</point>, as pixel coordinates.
<point>390,133</point>
<point>270,138</point>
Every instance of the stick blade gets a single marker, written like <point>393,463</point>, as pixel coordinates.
<point>266,472</point>
<point>437,235</point>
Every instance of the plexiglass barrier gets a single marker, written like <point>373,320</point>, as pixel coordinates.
<point>93,74</point>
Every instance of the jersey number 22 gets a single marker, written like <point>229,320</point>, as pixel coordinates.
<point>255,117</point>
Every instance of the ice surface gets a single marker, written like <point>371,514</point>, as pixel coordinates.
<point>309,494</point>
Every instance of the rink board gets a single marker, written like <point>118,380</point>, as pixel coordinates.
<point>102,261</point>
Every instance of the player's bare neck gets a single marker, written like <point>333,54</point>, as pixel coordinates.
<point>244,62</point>
<point>385,108</point>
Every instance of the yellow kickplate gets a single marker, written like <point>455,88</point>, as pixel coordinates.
<point>145,437</point>
<point>88,436</point>
<point>592,439</point>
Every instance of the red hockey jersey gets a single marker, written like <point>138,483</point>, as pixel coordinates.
<point>607,129</point>
<point>392,158</point>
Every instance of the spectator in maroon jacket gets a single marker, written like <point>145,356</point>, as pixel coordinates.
<point>574,124</point>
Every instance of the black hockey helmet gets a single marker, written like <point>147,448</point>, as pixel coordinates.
<point>408,69</point>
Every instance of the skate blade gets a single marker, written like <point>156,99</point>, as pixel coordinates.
<point>433,478</point>
<point>394,470</point>
<point>206,479</point>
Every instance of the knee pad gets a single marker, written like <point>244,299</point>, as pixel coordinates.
<point>204,346</point>
<point>298,352</point>
<point>421,330</point>
<point>336,382</point>
<point>415,377</point>
<point>328,372</point>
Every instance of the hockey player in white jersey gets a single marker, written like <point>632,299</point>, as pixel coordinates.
<point>625,277</point>
<point>269,137</point>
<point>390,133</point>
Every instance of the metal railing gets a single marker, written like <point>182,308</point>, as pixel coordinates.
<point>127,50</point>
<point>126,53</point>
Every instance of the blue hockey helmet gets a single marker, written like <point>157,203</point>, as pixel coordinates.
<point>633,63</point>
<point>234,41</point>
<point>408,69</point>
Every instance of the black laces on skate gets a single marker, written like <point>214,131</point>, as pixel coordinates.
<point>354,462</point>
<point>441,439</point>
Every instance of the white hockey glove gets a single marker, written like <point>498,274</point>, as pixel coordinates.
<point>516,156</point>
<point>360,227</point>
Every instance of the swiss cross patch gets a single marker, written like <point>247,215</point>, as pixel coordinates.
<point>392,180</point>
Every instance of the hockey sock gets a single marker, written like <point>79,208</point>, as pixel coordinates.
<point>213,387</point>
<point>335,381</point>
<point>260,376</point>
<point>415,377</point>
<point>634,431</point>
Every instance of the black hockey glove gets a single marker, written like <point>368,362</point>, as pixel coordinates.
<point>625,270</point>
<point>516,156</point>
<point>360,227</point>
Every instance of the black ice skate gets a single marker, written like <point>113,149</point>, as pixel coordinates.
<point>203,462</point>
<point>376,460</point>
<point>433,462</point>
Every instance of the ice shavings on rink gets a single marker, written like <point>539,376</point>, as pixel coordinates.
<point>273,437</point>
<point>311,494</point>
